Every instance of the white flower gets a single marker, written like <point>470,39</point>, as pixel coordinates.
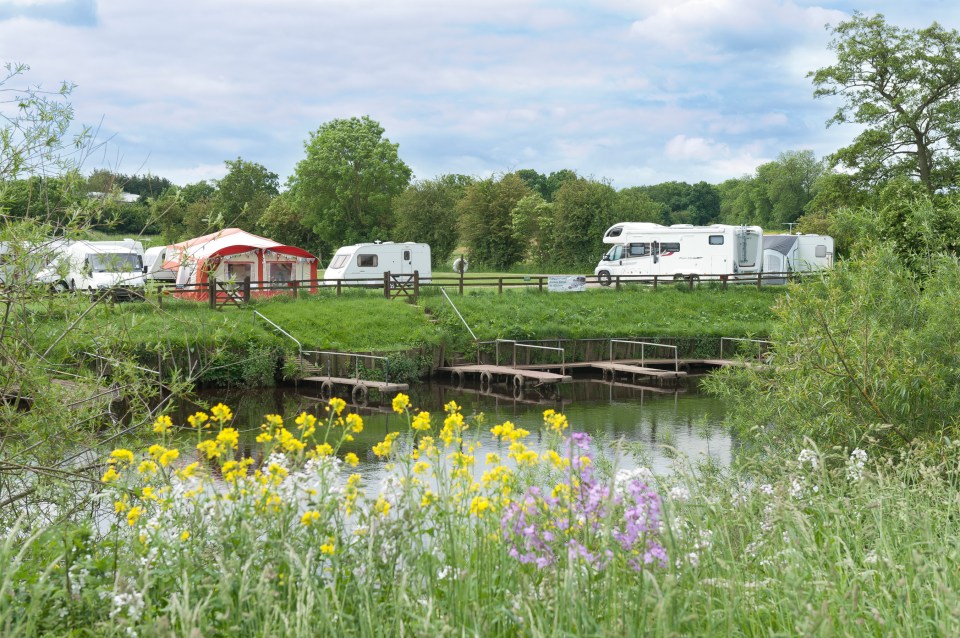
<point>679,493</point>
<point>855,464</point>
<point>808,456</point>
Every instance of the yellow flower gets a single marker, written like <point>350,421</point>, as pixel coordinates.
<point>188,471</point>
<point>228,437</point>
<point>122,505</point>
<point>384,448</point>
<point>288,442</point>
<point>451,407</point>
<point>307,424</point>
<point>421,421</point>
<point>122,455</point>
<point>507,431</point>
<point>110,476</point>
<point>169,456</point>
<point>382,506</point>
<point>555,459</point>
<point>323,449</point>
<point>185,535</point>
<point>209,448</point>
<point>147,467</point>
<point>337,405</point>
<point>133,515</point>
<point>263,437</point>
<point>221,413</point>
<point>555,421</point>
<point>420,467</point>
<point>351,459</point>
<point>327,548</point>
<point>400,403</point>
<point>355,423</point>
<point>310,517</point>
<point>479,505</point>
<point>429,498</point>
<point>199,420</point>
<point>163,424</point>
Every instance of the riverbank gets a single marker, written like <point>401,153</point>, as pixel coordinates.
<point>233,346</point>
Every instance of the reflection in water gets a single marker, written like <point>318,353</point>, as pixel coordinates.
<point>630,425</point>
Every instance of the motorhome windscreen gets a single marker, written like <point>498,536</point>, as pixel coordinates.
<point>115,262</point>
<point>339,261</point>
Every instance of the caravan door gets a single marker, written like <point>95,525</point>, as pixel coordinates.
<point>406,260</point>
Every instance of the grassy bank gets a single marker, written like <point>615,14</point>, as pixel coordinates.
<point>195,542</point>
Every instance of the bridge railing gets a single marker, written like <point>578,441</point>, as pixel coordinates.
<point>643,345</point>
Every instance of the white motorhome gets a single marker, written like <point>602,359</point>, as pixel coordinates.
<point>681,251</point>
<point>796,253</point>
<point>30,263</point>
<point>100,266</point>
<point>366,263</point>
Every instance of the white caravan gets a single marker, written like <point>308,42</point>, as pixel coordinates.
<point>796,253</point>
<point>366,263</point>
<point>681,251</point>
<point>153,269</point>
<point>93,266</point>
<point>30,263</point>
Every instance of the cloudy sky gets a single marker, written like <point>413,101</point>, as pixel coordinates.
<point>632,91</point>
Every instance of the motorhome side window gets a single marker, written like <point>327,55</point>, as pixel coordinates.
<point>669,247</point>
<point>638,250</point>
<point>367,261</point>
<point>716,240</point>
<point>615,232</point>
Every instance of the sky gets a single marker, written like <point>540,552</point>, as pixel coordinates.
<point>634,92</point>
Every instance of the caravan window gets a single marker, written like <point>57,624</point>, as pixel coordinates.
<point>339,261</point>
<point>716,240</point>
<point>367,261</point>
<point>406,255</point>
<point>821,251</point>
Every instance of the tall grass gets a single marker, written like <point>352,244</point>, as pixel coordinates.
<point>811,543</point>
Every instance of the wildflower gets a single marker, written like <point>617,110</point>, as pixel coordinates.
<point>327,548</point>
<point>855,465</point>
<point>221,413</point>
<point>264,437</point>
<point>451,407</point>
<point>421,421</point>
<point>288,442</point>
<point>121,505</point>
<point>507,431</point>
<point>322,450</point>
<point>479,505</point>
<point>122,455</point>
<point>199,420</point>
<point>420,467</point>
<point>355,423</point>
<point>210,448</point>
<point>307,424</point>
<point>808,456</point>
<point>428,499</point>
<point>228,438</point>
<point>679,493</point>
<point>555,421</point>
<point>337,405</point>
<point>133,515</point>
<point>162,425</point>
<point>384,448</point>
<point>351,459</point>
<point>147,468</point>
<point>188,471</point>
<point>382,506</point>
<point>110,476</point>
<point>168,457</point>
<point>557,461</point>
<point>400,403</point>
<point>310,517</point>
<point>185,535</point>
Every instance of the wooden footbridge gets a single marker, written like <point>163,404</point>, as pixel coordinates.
<point>614,368</point>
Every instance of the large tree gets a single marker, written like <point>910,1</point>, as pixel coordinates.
<point>486,221</point>
<point>426,212</point>
<point>582,210</point>
<point>903,87</point>
<point>244,194</point>
<point>346,183</point>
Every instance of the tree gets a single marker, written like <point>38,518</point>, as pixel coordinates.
<point>532,220</point>
<point>634,205</point>
<point>902,86</point>
<point>582,210</point>
<point>281,222</point>
<point>347,181</point>
<point>244,193</point>
<point>486,221</point>
<point>427,212</point>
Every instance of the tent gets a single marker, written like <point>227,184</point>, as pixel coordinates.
<point>232,255</point>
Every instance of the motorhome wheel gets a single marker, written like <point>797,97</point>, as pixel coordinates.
<point>603,277</point>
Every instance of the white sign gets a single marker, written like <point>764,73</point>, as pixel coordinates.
<point>567,283</point>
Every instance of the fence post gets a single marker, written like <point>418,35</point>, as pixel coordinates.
<point>460,286</point>
<point>386,284</point>
<point>296,289</point>
<point>213,292</point>
<point>246,290</point>
<point>416,284</point>
<point>617,286</point>
<point>339,281</point>
<point>500,286</point>
<point>759,280</point>
<point>723,278</point>
<point>540,282</point>
<point>654,282</point>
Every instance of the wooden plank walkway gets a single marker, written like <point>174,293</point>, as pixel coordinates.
<point>489,372</point>
<point>382,386</point>
<point>613,367</point>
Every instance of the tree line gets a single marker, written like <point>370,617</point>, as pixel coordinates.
<point>352,185</point>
